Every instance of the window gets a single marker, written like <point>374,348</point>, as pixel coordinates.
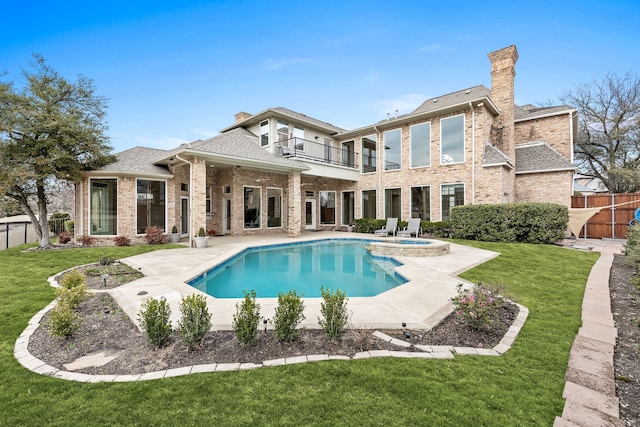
<point>327,207</point>
<point>452,140</point>
<point>452,195</point>
<point>392,151</point>
<point>421,203</point>
<point>348,207</point>
<point>252,212</point>
<point>264,133</point>
<point>274,207</point>
<point>184,187</point>
<point>327,150</point>
<point>283,131</point>
<point>369,154</point>
<point>151,205</point>
<point>298,137</point>
<point>392,203</point>
<point>420,136</point>
<point>348,154</point>
<point>208,201</point>
<point>369,204</point>
<point>103,210</point>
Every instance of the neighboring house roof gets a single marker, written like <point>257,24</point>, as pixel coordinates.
<point>139,161</point>
<point>537,156</point>
<point>14,219</point>
<point>237,147</point>
<point>285,113</point>
<point>529,111</point>
<point>494,157</point>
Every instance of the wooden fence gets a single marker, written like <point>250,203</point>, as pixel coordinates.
<point>611,222</point>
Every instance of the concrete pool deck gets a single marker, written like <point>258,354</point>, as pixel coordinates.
<point>421,303</point>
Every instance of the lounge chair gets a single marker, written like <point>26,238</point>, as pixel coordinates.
<point>389,227</point>
<point>413,228</point>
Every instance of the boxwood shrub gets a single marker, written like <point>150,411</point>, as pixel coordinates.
<point>544,223</point>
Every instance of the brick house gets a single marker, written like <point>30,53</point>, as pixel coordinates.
<point>280,171</point>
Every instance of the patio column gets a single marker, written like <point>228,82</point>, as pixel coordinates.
<point>294,200</point>
<point>198,193</point>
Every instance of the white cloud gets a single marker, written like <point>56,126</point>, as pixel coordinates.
<point>403,103</point>
<point>278,64</point>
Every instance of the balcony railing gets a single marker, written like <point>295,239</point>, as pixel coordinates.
<point>304,149</point>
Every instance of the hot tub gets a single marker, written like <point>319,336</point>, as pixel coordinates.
<point>408,247</point>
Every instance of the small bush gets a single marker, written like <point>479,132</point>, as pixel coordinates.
<point>362,337</point>
<point>195,321</point>
<point>122,241</point>
<point>154,320</point>
<point>72,296</point>
<point>63,320</point>
<point>632,247</point>
<point>70,226</point>
<point>154,235</point>
<point>87,240</point>
<point>64,238</point>
<point>201,232</point>
<point>57,221</point>
<point>334,313</point>
<point>72,279</point>
<point>478,307</point>
<point>246,319</point>
<point>288,315</point>
<point>107,260</point>
<point>368,225</point>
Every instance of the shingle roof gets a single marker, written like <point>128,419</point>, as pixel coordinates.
<point>138,161</point>
<point>528,112</point>
<point>285,112</point>
<point>239,143</point>
<point>454,98</point>
<point>537,156</point>
<point>310,120</point>
<point>494,157</point>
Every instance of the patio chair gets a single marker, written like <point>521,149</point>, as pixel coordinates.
<point>389,227</point>
<point>413,228</point>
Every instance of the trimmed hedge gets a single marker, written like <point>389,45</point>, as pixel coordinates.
<point>544,223</point>
<point>435,229</point>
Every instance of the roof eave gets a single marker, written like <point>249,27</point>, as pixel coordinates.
<point>270,112</point>
<point>567,169</point>
<point>240,161</point>
<point>99,172</point>
<point>542,116</point>
<point>505,164</point>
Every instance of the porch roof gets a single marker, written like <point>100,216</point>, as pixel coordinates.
<point>137,161</point>
<point>285,113</point>
<point>538,156</point>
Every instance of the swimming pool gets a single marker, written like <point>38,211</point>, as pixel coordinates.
<point>305,267</point>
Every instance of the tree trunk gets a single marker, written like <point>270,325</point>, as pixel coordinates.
<point>43,219</point>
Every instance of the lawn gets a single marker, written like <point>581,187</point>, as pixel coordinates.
<point>522,387</point>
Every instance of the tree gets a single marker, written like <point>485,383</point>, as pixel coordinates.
<point>50,129</point>
<point>608,145</point>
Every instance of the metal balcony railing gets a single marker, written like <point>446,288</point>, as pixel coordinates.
<point>304,149</point>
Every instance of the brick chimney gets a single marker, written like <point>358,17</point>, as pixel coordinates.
<point>242,116</point>
<point>503,73</point>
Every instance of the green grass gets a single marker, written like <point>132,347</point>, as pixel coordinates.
<point>523,387</point>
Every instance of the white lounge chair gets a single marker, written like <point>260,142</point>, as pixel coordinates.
<point>389,227</point>
<point>413,228</point>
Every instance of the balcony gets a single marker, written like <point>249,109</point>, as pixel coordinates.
<point>303,149</point>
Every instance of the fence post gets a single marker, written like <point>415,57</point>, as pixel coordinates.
<point>6,226</point>
<point>613,216</point>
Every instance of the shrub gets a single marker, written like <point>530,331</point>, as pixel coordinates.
<point>288,315</point>
<point>478,307</point>
<point>334,313</point>
<point>64,237</point>
<point>154,235</point>
<point>516,222</point>
<point>632,247</point>
<point>72,279</point>
<point>174,229</point>
<point>195,321</point>
<point>246,319</point>
<point>63,320</point>
<point>107,260</point>
<point>368,225</point>
<point>57,221</point>
<point>70,226</point>
<point>201,232</point>
<point>154,320</point>
<point>87,240</point>
<point>72,296</point>
<point>122,241</point>
<point>442,229</point>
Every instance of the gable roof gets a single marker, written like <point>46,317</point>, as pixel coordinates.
<point>460,97</point>
<point>139,161</point>
<point>537,156</point>
<point>282,112</point>
<point>236,147</point>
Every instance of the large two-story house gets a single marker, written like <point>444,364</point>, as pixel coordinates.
<point>279,171</point>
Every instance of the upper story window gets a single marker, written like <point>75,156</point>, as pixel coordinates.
<point>369,153</point>
<point>392,149</point>
<point>452,140</point>
<point>282,130</point>
<point>264,133</point>
<point>348,154</point>
<point>420,136</point>
<point>298,137</point>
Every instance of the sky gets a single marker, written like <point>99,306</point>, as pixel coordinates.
<point>178,71</point>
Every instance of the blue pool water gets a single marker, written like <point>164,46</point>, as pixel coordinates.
<point>305,267</point>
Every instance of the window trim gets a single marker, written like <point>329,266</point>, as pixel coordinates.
<point>89,203</point>
<point>166,203</point>
<point>342,193</point>
<point>464,196</point>
<point>244,187</point>
<point>385,201</point>
<point>463,140</point>
<point>335,207</point>
<point>411,200</point>
<point>411,166</point>
<point>384,143</point>
<point>268,133</point>
<point>281,207</point>
<point>375,191</point>
<point>362,148</point>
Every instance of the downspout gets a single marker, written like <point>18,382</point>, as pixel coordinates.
<point>190,198</point>
<point>573,181</point>
<point>473,154</point>
<point>379,170</point>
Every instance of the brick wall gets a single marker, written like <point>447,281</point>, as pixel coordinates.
<point>555,131</point>
<point>554,187</point>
